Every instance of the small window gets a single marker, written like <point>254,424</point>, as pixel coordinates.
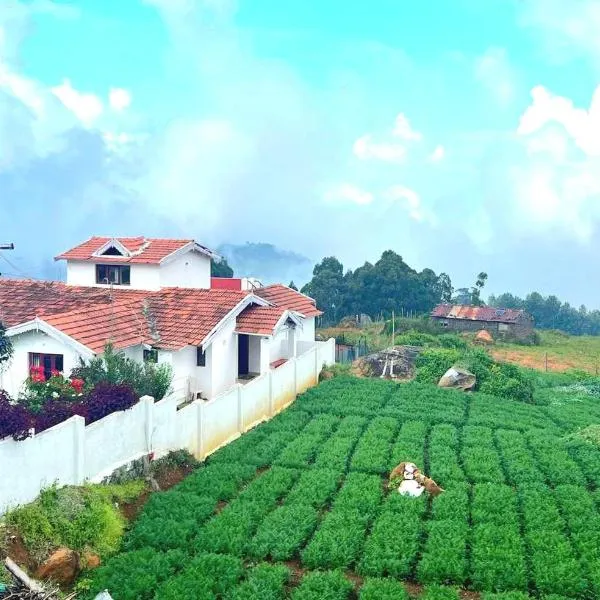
<point>200,357</point>
<point>48,364</point>
<point>113,274</point>
<point>112,251</point>
<point>151,355</point>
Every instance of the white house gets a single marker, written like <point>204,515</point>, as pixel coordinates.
<point>152,299</point>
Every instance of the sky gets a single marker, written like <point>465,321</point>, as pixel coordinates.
<point>464,135</point>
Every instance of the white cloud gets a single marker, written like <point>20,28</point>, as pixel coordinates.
<point>409,199</point>
<point>581,125</point>
<point>347,192</point>
<point>86,107</point>
<point>119,99</point>
<point>366,149</point>
<point>438,154</point>
<point>403,130</point>
<point>387,149</point>
<point>494,71</point>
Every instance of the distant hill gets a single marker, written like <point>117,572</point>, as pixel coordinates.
<point>267,262</point>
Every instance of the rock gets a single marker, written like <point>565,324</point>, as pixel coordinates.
<point>457,378</point>
<point>409,487</point>
<point>62,567</point>
<point>484,337</point>
<point>90,560</point>
<point>397,362</point>
<point>103,596</point>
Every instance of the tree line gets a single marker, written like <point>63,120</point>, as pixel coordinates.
<point>387,286</point>
<point>549,312</point>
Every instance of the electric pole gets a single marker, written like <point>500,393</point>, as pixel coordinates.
<point>6,247</point>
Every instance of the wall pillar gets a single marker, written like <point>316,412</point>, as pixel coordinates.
<point>78,450</point>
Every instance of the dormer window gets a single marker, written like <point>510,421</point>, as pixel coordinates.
<point>113,274</point>
<point>112,251</point>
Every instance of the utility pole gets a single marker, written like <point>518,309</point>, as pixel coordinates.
<point>10,246</point>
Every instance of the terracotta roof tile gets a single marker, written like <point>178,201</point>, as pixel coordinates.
<point>477,313</point>
<point>284,297</point>
<point>260,320</point>
<point>170,318</point>
<point>142,250</point>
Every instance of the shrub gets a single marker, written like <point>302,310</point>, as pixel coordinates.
<point>39,391</point>
<point>54,412</point>
<point>432,363</point>
<point>451,340</point>
<point>108,398</point>
<point>15,421</point>
<point>416,338</point>
<point>147,379</point>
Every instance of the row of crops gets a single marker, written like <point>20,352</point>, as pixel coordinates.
<point>298,507</point>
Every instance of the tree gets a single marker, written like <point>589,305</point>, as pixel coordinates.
<point>477,288</point>
<point>327,288</point>
<point>220,268</point>
<point>6,348</point>
<point>292,285</point>
<point>444,288</point>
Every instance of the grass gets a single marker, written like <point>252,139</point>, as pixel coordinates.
<point>509,524</point>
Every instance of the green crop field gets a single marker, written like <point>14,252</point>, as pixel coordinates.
<point>298,507</point>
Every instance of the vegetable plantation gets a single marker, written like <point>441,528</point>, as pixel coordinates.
<point>298,507</point>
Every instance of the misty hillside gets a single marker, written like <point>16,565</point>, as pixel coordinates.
<point>267,262</point>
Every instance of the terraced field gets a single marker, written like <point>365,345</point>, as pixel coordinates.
<point>298,508</point>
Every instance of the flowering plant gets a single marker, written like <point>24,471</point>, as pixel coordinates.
<point>39,390</point>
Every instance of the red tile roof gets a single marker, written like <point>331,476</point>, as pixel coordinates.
<point>170,318</point>
<point>142,250</point>
<point>477,313</point>
<point>285,297</point>
<point>260,320</point>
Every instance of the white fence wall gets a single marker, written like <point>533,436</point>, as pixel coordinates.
<point>71,453</point>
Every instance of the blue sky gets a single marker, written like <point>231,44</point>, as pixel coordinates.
<point>464,135</point>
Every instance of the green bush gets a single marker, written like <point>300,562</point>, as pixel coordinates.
<point>420,324</point>
<point>264,582</point>
<point>416,338</point>
<point>432,363</point>
<point>451,340</point>
<point>148,379</point>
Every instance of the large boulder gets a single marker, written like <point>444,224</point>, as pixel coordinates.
<point>457,378</point>
<point>61,567</point>
<point>397,362</point>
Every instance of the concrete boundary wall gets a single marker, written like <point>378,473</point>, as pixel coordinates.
<point>71,453</point>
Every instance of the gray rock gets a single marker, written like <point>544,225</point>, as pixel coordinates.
<point>457,378</point>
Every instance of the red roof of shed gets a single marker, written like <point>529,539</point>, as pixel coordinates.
<point>477,313</point>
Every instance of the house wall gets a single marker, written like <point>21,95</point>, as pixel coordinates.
<point>224,363</point>
<point>143,277</point>
<point>520,330</point>
<point>191,270</point>
<point>306,333</point>
<point>280,345</point>
<point>13,376</point>
<point>255,353</point>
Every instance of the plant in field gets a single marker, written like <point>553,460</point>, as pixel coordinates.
<point>361,493</point>
<point>373,449</point>
<point>230,530</point>
<point>264,582</point>
<point>161,533</point>
<point>207,576</point>
<point>328,585</point>
<point>136,575</point>
<point>218,481</point>
<point>444,557</point>
<point>315,487</point>
<point>382,589</point>
<point>338,540</point>
<point>439,592</point>
<point>283,531</point>
<point>300,451</point>
<point>270,486</point>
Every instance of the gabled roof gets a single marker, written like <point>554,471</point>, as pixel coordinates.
<point>152,251</point>
<point>283,296</point>
<point>477,313</point>
<point>170,318</point>
<point>261,320</point>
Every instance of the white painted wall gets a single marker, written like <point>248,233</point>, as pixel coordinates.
<point>279,346</point>
<point>224,361</point>
<point>190,270</point>
<point>143,277</point>
<point>306,333</point>
<point>70,452</point>
<point>16,372</point>
<point>255,346</point>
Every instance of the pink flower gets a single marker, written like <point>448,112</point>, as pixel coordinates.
<point>55,373</point>
<point>77,385</point>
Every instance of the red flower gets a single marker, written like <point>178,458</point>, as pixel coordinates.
<point>37,374</point>
<point>77,385</point>
<point>55,373</point>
